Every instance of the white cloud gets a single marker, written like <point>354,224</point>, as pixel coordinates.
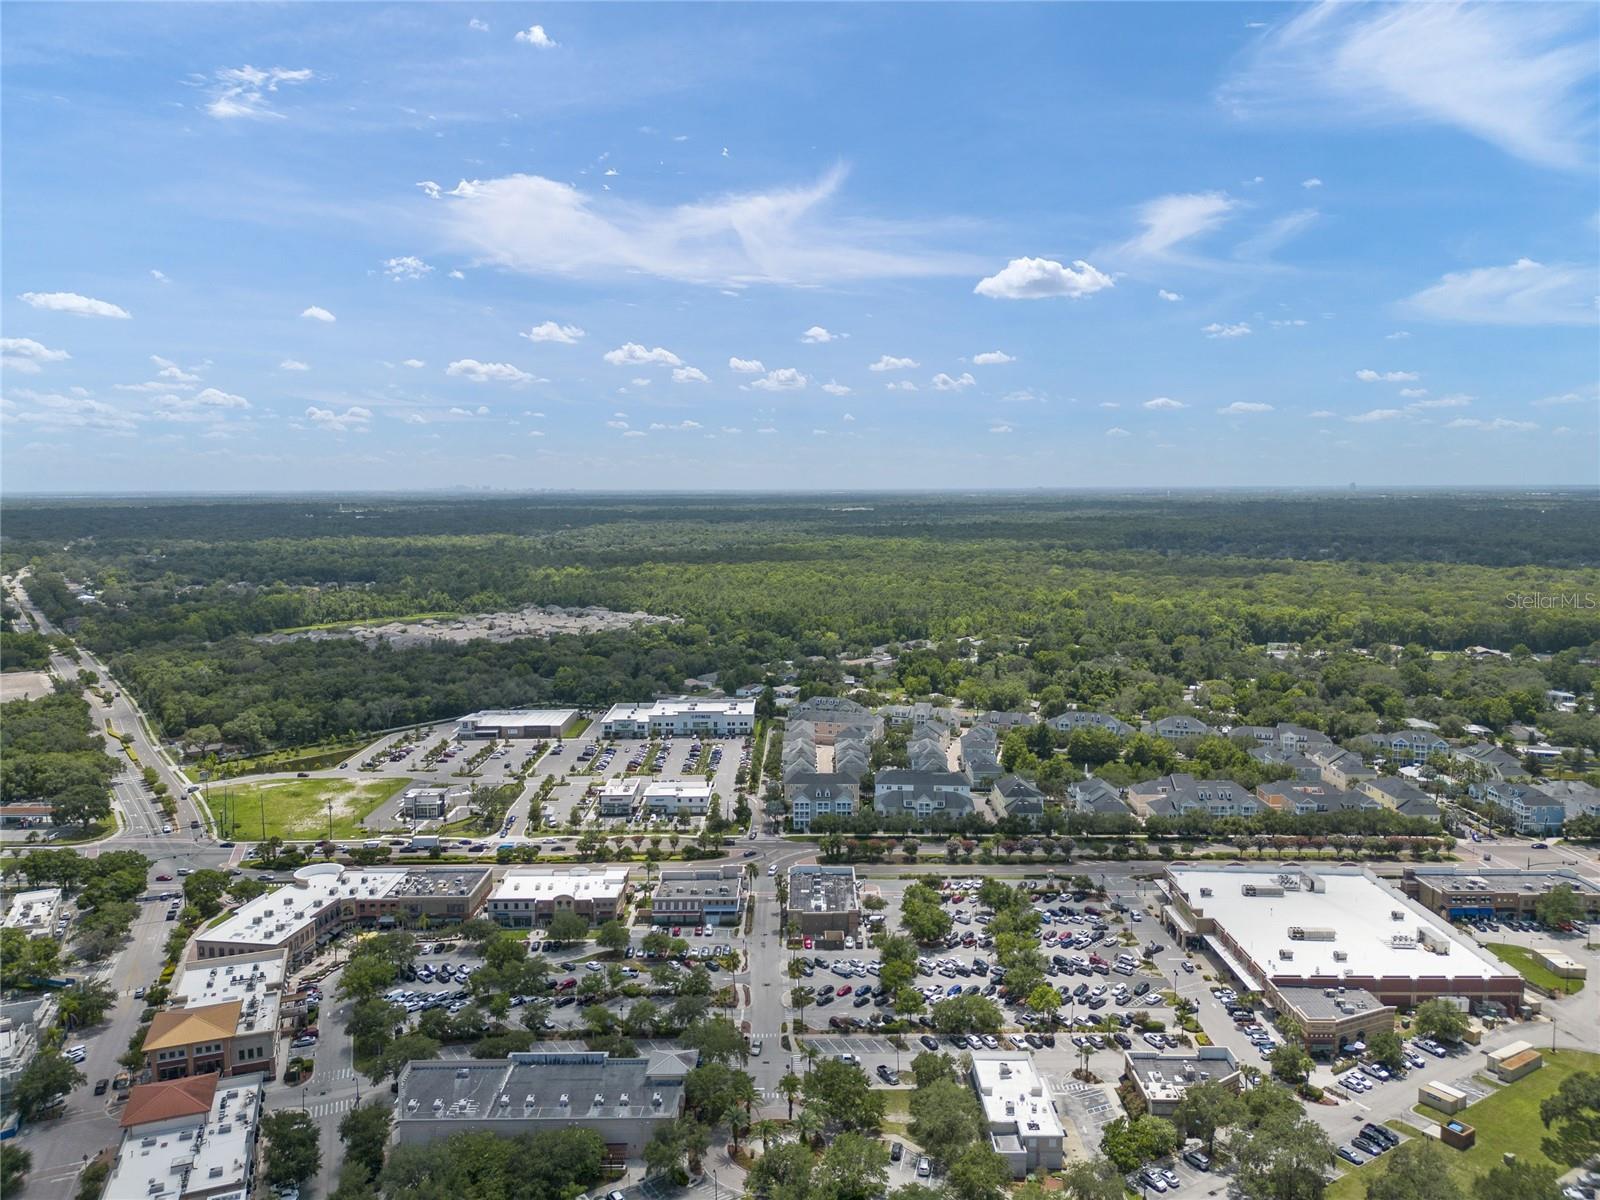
<point>540,226</point>
<point>689,375</point>
<point>243,91</point>
<point>684,426</point>
<point>553,331</point>
<point>903,385</point>
<point>1323,414</point>
<point>1376,414</point>
<point>1117,431</point>
<point>746,366</point>
<point>28,356</point>
<point>413,363</point>
<point>534,35</point>
<point>945,383</point>
<point>1169,220</point>
<point>1042,279</point>
<point>633,354</point>
<point>317,313</point>
<point>216,398</point>
<point>1000,428</point>
<point>478,26</point>
<point>407,267</point>
<point>1163,404</point>
<point>1399,335</point>
<point>1562,398</point>
<point>635,433</point>
<point>487,372</point>
<point>848,417</point>
<point>615,423</point>
<point>1367,375</point>
<point>74,305</point>
<point>1516,76</point>
<point>159,276</point>
<point>352,420</point>
<point>837,389</point>
<point>1289,323</point>
<point>1243,407</point>
<point>1525,293</point>
<point>1217,330</point>
<point>293,364</point>
<point>1413,393</point>
<point>890,363</point>
<point>991,358</point>
<point>1110,404</point>
<point>1496,425</point>
<point>639,381</point>
<point>784,379</point>
<point>1456,400</point>
<point>817,334</point>
<point>172,372</point>
<point>766,429</point>
<point>1170,297</point>
<point>1313,182</point>
<point>457,275</point>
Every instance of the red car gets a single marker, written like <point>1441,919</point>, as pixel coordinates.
<point>808,943</point>
<point>163,878</point>
<point>842,990</point>
<point>676,930</point>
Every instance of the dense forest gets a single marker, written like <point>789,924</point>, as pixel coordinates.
<point>50,753</point>
<point>1119,602</point>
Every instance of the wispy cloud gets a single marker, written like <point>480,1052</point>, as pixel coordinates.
<point>1169,221</point>
<point>27,356</point>
<point>949,383</point>
<point>406,267</point>
<point>487,372</point>
<point>354,419</point>
<point>1492,424</point>
<point>784,379</point>
<point>74,305</point>
<point>243,92</point>
<point>1525,293</point>
<point>1368,375</point>
<point>538,226</point>
<point>1244,408</point>
<point>1163,404</point>
<point>633,354</point>
<point>1219,330</point>
<point>746,366</point>
<point>1515,75</point>
<point>889,362</point>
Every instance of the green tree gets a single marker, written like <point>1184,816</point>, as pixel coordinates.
<point>1290,1062</point>
<point>15,1162</point>
<point>978,1173</point>
<point>945,1117</point>
<point>1519,1180</point>
<point>1438,1019</point>
<point>1130,1142</point>
<point>930,1066</point>
<point>567,927</point>
<point>612,937</point>
<point>791,1086</point>
<point>1558,907</point>
<point>718,1039</point>
<point>839,1091</point>
<point>408,1047</point>
<point>1574,1113</point>
<point>293,1155</point>
<point>1093,1179</point>
<point>1205,1109</point>
<point>1385,1047</point>
<point>364,977</point>
<point>92,1180</point>
<point>365,1134</point>
<point>1416,1171</point>
<point>852,1168</point>
<point>46,1077</point>
<point>1284,1158</point>
<point>1044,1000</point>
<point>966,1014</point>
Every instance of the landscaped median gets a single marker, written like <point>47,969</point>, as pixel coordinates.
<point>1507,1121</point>
<point>1527,964</point>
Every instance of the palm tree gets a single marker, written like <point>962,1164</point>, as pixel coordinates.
<point>790,1086</point>
<point>811,1125</point>
<point>767,1130</point>
<point>738,1126</point>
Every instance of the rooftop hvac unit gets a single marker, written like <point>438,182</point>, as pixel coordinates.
<point>599,1100</point>
<point>623,1100</point>
<point>1286,954</point>
<point>438,1105</point>
<point>655,1100</point>
<point>462,1072</point>
<point>412,1105</point>
<point>563,1100</point>
<point>505,1099</point>
<point>527,1101</point>
<point>1340,956</point>
<point>1205,891</point>
<point>1396,915</point>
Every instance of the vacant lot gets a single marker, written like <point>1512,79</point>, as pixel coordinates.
<point>297,809</point>
<point>1505,1121</point>
<point>1529,967</point>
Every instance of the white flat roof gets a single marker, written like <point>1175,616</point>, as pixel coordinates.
<point>645,710</point>
<point>217,1150</point>
<point>677,787</point>
<point>1355,906</point>
<point>1009,1079</point>
<point>272,918</point>
<point>256,981</point>
<point>522,716</point>
<point>35,910</point>
<point>544,883</point>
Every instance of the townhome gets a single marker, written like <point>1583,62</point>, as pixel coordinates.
<point>830,715</point>
<point>1403,796</point>
<point>1171,795</point>
<point>1410,747</point>
<point>1302,798</point>
<point>1004,721</point>
<point>1530,809</point>
<point>1342,769</point>
<point>923,794</point>
<point>1178,727</point>
<point>980,755</point>
<point>1019,798</point>
<point>926,752</point>
<point>1095,795</point>
<point>1494,762</point>
<point>812,795</point>
<point>919,713</point>
<point>1074,719</point>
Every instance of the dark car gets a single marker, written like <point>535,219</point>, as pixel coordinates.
<point>100,1086</point>
<point>896,1151</point>
<point>930,1043</point>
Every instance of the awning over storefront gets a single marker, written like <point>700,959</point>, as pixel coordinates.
<point>1240,971</point>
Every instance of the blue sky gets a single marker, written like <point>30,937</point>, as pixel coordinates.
<point>798,246</point>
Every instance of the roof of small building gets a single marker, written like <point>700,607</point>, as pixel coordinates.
<point>187,1097</point>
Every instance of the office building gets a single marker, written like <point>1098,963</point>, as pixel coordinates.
<point>824,901</point>
<point>527,897</point>
<point>1162,1076</point>
<point>521,723</point>
<point>699,896</point>
<point>188,1139</point>
<point>1024,1128</point>
<point>679,716</point>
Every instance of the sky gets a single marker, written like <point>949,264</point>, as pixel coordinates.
<point>785,247</point>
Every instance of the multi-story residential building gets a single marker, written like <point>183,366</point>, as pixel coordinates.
<point>1528,807</point>
<point>980,754</point>
<point>919,713</point>
<point>1172,795</point>
<point>1405,797</point>
<point>528,897</point>
<point>188,1139</point>
<point>831,715</point>
<point>1412,747</point>
<point>1095,795</point>
<point>1291,796</point>
<point>1178,727</point>
<point>1068,721</point>
<point>1019,798</point>
<point>923,794</point>
<point>699,896</point>
<point>678,716</point>
<point>1343,769</point>
<point>811,795</point>
<point>1494,762</point>
<point>925,751</point>
<point>1006,720</point>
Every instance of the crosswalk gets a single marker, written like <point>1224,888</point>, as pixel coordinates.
<point>330,1108</point>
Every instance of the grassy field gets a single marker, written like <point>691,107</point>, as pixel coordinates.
<point>298,808</point>
<point>1505,1121</point>
<point>1530,969</point>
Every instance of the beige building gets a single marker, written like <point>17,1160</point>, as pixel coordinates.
<point>1162,1076</point>
<point>527,897</point>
